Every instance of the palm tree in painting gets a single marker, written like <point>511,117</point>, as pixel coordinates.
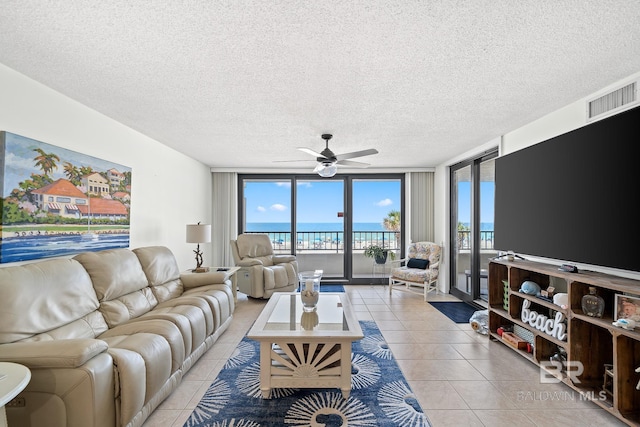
<point>85,170</point>
<point>46,161</point>
<point>25,188</point>
<point>72,173</point>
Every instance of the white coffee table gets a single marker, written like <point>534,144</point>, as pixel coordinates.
<point>298,350</point>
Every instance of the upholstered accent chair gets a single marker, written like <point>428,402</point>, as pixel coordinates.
<point>418,272</point>
<point>261,271</point>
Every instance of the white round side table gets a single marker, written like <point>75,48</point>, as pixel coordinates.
<point>13,379</point>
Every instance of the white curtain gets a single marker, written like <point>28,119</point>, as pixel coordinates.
<point>224,216</point>
<point>421,210</point>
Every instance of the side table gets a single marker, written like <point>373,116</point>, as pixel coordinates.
<point>191,279</point>
<point>380,272</point>
<point>13,379</point>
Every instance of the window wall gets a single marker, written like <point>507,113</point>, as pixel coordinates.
<point>326,222</point>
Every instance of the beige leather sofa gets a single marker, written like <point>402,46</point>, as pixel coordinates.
<point>107,335</point>
<point>261,271</point>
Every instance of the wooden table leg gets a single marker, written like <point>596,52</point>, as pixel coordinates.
<point>265,369</point>
<point>345,368</point>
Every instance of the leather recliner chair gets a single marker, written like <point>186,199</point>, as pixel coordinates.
<point>261,271</point>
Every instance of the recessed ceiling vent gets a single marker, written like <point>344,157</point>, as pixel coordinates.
<point>613,102</point>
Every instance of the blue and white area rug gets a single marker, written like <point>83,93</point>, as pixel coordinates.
<point>331,288</point>
<point>380,395</point>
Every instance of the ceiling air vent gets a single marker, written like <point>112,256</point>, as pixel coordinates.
<point>613,102</point>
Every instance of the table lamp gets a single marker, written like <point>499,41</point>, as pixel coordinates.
<point>199,233</point>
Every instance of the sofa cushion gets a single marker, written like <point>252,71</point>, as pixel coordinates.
<point>127,307</point>
<point>143,364</point>
<point>413,274</point>
<point>42,297</point>
<point>220,301</point>
<point>162,272</point>
<point>114,272</point>
<point>89,326</point>
<point>167,331</point>
<point>119,283</point>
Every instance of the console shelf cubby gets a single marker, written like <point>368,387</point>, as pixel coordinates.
<point>602,350</point>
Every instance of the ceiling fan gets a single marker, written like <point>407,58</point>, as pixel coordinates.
<point>328,161</point>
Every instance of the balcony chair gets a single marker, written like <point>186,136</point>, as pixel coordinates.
<point>418,270</point>
<point>261,271</point>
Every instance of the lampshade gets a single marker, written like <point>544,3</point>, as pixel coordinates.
<point>198,233</point>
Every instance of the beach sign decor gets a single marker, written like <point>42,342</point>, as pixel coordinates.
<point>554,327</point>
<point>58,202</point>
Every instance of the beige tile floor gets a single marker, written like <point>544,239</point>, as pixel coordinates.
<point>459,377</point>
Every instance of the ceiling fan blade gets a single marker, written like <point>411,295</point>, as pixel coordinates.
<point>356,154</point>
<point>352,164</point>
<point>310,151</point>
<point>294,161</point>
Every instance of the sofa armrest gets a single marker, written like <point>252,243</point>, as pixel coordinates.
<point>279,259</point>
<point>248,262</point>
<point>52,354</point>
<point>194,280</point>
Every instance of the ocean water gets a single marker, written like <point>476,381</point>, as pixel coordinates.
<point>16,249</point>
<point>484,226</point>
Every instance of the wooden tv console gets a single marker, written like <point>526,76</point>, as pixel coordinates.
<point>606,353</point>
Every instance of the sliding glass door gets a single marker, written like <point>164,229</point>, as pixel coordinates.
<point>319,219</point>
<point>376,220</point>
<point>472,204</point>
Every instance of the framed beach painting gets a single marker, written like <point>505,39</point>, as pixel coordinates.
<point>58,202</point>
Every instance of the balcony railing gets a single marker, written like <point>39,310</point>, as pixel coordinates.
<point>309,241</point>
<point>464,240</point>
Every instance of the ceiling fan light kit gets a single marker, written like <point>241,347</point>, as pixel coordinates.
<point>326,170</point>
<point>328,161</point>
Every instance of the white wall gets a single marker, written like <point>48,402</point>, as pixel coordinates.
<point>169,189</point>
<point>556,123</point>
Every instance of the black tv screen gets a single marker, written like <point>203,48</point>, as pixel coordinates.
<point>574,197</point>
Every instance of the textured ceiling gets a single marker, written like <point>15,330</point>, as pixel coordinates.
<point>241,84</point>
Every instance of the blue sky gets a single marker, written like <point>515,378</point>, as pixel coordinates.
<point>20,164</point>
<point>487,191</point>
<point>320,201</point>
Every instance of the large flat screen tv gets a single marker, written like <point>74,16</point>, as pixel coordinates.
<point>574,198</point>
